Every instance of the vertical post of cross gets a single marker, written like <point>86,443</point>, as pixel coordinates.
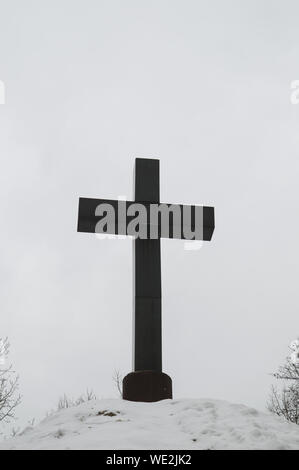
<point>147,382</point>
<point>147,277</point>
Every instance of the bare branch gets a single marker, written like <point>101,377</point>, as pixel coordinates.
<point>286,402</point>
<point>9,385</point>
<point>117,379</point>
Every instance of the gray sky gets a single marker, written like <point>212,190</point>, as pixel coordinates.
<point>205,87</point>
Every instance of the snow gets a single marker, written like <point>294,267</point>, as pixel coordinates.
<point>169,424</point>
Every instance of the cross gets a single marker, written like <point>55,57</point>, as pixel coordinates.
<point>147,382</point>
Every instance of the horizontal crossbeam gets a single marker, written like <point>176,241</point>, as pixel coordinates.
<point>149,220</point>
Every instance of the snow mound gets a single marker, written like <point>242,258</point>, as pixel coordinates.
<point>169,424</point>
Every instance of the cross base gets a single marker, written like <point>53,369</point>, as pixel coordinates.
<point>147,386</point>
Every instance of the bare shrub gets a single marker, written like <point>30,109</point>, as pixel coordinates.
<point>285,402</point>
<point>117,379</point>
<point>66,402</point>
<point>9,385</point>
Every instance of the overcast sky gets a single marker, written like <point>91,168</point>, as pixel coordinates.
<point>205,87</point>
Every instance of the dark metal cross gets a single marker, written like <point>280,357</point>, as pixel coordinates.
<point>147,382</point>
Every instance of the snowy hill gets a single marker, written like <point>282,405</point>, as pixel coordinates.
<point>169,424</point>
